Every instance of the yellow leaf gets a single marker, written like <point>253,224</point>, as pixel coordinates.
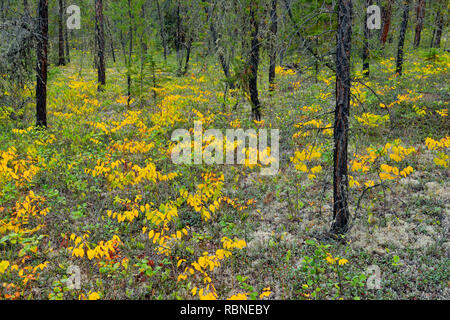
<point>94,296</point>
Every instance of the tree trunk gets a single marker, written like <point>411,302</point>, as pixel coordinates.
<point>99,26</point>
<point>26,7</point>
<point>61,57</point>
<point>401,39</point>
<point>188,56</point>
<point>66,33</point>
<point>111,41</point>
<point>304,41</point>
<point>218,51</point>
<point>42,47</point>
<point>420,13</point>
<point>343,82</point>
<point>273,47</point>
<point>178,39</point>
<point>254,62</point>
<point>143,35</point>
<point>387,13</point>
<point>130,52</point>
<point>162,29</point>
<point>438,30</point>
<point>365,52</point>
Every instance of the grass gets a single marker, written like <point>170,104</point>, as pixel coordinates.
<point>400,228</point>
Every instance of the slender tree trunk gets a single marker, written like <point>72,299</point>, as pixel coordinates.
<point>343,82</point>
<point>42,47</point>
<point>438,30</point>
<point>66,34</point>
<point>26,7</point>
<point>61,57</point>
<point>178,39</point>
<point>365,52</point>
<point>401,39</point>
<point>111,41</point>
<point>420,13</point>
<point>99,25</point>
<point>130,52</point>
<point>162,29</point>
<point>143,36</point>
<point>387,14</point>
<point>273,47</point>
<point>188,56</point>
<point>304,41</point>
<point>218,51</point>
<point>254,62</point>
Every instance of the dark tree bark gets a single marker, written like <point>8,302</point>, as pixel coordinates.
<point>420,13</point>
<point>188,55</point>
<point>42,48</point>
<point>254,62</point>
<point>401,39</point>
<point>273,47</point>
<point>343,82</point>
<point>100,35</point>
<point>365,51</point>
<point>61,57</point>
<point>387,14</point>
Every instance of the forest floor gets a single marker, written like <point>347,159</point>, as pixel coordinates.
<point>97,195</point>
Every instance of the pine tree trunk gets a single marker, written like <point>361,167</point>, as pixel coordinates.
<point>420,13</point>
<point>99,25</point>
<point>254,62</point>
<point>387,14</point>
<point>42,47</point>
<point>343,82</point>
<point>61,57</point>
<point>273,39</point>
<point>401,40</point>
